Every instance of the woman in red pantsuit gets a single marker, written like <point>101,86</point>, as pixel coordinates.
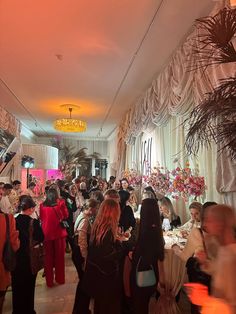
<point>52,211</point>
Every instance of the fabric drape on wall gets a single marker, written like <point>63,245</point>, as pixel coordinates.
<point>9,123</point>
<point>133,154</point>
<point>176,90</point>
<point>168,145</point>
<point>121,153</point>
<point>226,178</point>
<point>171,96</point>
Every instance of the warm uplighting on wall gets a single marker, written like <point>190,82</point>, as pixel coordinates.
<point>233,3</point>
<point>69,124</point>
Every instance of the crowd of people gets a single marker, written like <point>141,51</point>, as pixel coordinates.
<point>112,238</point>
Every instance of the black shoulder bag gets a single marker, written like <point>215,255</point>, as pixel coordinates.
<point>63,222</point>
<point>8,254</point>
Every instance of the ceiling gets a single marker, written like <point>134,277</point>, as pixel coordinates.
<point>98,54</point>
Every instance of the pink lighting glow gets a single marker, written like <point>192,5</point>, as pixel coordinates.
<point>41,176</point>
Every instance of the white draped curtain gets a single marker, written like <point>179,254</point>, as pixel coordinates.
<point>9,123</point>
<point>168,145</point>
<point>159,114</point>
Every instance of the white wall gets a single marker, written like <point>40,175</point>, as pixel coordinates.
<point>27,137</point>
<point>98,146</point>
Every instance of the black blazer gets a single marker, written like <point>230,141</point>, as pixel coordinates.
<point>127,219</point>
<point>22,255</point>
<point>102,272</point>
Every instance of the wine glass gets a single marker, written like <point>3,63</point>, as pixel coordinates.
<point>166,224</point>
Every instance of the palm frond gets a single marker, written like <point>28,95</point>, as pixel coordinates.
<point>69,158</point>
<point>81,153</point>
<point>214,120</point>
<point>95,155</point>
<point>214,44</point>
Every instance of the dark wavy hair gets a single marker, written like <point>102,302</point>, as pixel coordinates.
<point>97,195</point>
<point>124,196</point>
<point>25,202</point>
<point>150,189</point>
<point>150,239</point>
<point>51,198</point>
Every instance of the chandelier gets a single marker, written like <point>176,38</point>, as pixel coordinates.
<point>69,124</point>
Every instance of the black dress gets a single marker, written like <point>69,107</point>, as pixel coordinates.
<point>174,223</point>
<point>144,250</point>
<point>23,282</point>
<point>127,219</point>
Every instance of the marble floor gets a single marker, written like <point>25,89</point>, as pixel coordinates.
<point>60,298</point>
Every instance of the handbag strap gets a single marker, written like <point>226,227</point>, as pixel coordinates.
<point>7,227</point>
<point>203,241</point>
<point>139,260</point>
<point>57,214</point>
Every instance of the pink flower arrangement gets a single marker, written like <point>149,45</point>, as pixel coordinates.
<point>158,179</point>
<point>186,183</point>
<point>196,185</point>
<point>133,177</point>
<point>180,182</point>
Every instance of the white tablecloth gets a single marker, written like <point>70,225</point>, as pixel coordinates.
<point>175,273</point>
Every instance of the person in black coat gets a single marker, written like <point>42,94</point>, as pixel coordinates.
<point>72,208</point>
<point>23,281</point>
<point>102,279</point>
<point>148,250</point>
<point>127,219</point>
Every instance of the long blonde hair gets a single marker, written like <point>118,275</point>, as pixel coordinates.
<point>165,201</point>
<point>106,220</point>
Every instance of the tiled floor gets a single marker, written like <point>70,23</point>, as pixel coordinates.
<point>60,299</point>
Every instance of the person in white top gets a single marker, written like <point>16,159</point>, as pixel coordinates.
<point>194,243</point>
<point>82,226</point>
<point>195,209</point>
<point>82,229</point>
<point>15,194</point>
<point>30,190</point>
<point>5,204</point>
<point>219,222</point>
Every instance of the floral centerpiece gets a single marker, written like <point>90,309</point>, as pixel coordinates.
<point>158,179</point>
<point>179,183</point>
<point>186,183</point>
<point>133,177</point>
